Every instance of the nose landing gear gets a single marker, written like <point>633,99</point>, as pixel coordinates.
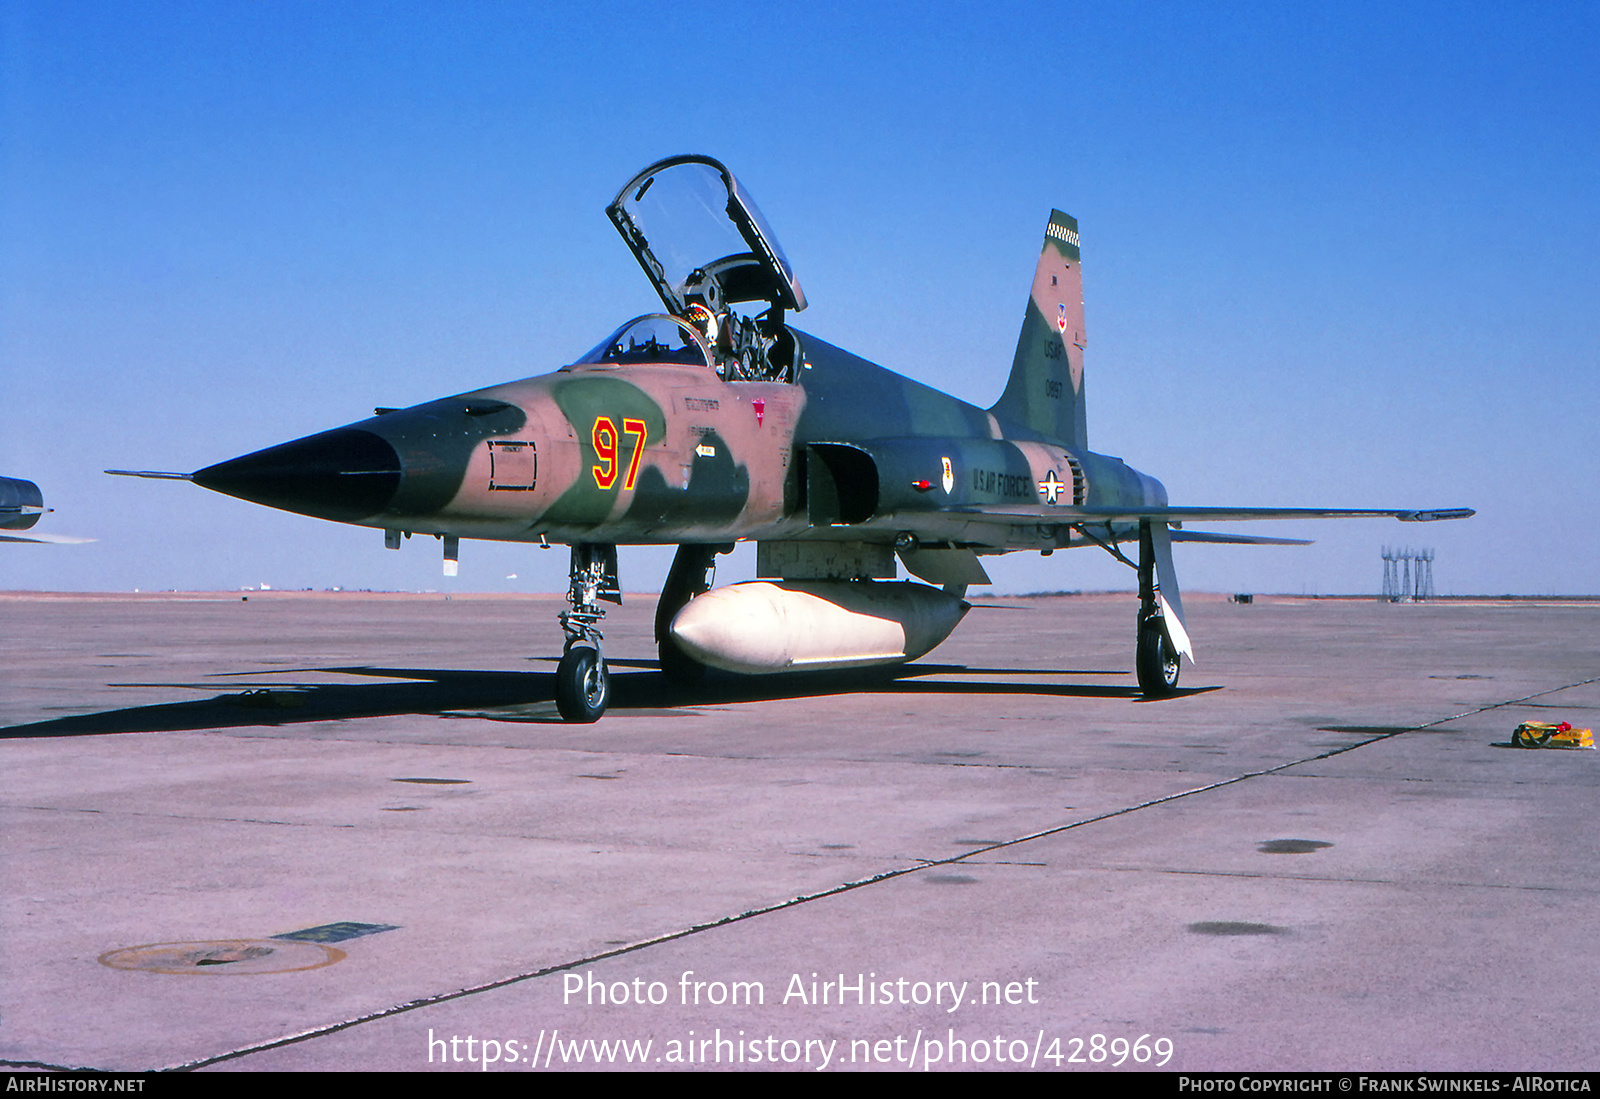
<point>583,685</point>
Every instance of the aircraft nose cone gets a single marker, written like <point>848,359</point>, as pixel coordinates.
<point>346,475</point>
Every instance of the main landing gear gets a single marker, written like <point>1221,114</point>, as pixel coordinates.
<point>1155,658</point>
<point>690,575</point>
<point>583,685</point>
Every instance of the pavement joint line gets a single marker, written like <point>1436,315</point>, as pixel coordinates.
<point>1498,705</point>
<point>46,1066</point>
<point>922,864</point>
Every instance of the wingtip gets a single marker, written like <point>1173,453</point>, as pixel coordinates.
<point>1436,515</point>
<point>47,539</point>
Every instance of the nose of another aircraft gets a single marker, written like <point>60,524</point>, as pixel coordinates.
<point>346,474</point>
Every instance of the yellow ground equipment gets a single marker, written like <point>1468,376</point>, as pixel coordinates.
<point>1539,734</point>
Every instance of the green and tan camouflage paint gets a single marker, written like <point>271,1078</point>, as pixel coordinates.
<point>674,453</point>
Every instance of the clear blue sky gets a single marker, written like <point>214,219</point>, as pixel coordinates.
<point>1338,255</point>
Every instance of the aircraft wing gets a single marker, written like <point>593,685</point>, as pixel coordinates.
<point>53,539</point>
<point>1161,519</point>
<point>1235,539</point>
<point>1012,513</point>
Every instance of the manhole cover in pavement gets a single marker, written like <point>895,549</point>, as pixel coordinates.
<point>243,956</point>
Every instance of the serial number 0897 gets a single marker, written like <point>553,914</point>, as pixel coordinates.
<point>1099,1050</point>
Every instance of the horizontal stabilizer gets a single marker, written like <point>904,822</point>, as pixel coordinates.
<point>53,539</point>
<point>1134,513</point>
<point>1236,539</point>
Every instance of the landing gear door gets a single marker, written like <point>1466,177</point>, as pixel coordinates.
<point>701,239</point>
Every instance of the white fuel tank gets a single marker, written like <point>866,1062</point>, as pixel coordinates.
<point>804,625</point>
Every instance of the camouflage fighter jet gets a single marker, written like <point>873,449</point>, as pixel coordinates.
<point>714,422</point>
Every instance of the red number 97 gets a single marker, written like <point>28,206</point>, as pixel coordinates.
<point>604,438</point>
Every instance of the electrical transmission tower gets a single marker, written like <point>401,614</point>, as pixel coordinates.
<point>1401,582</point>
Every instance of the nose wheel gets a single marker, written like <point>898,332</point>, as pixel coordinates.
<point>583,684</point>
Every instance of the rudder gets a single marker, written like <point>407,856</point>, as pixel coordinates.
<point>1045,390</point>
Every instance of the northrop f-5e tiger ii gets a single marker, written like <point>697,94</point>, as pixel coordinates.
<point>714,421</point>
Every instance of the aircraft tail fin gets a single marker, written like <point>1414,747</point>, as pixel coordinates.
<point>1045,391</point>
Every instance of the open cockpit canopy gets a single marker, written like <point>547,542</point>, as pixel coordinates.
<point>700,238</point>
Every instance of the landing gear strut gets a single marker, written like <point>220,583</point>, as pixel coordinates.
<point>583,685</point>
<point>689,576</point>
<point>1155,657</point>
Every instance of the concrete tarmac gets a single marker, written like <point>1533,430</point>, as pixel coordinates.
<point>1323,854</point>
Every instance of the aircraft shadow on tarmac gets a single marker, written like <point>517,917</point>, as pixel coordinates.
<point>530,696</point>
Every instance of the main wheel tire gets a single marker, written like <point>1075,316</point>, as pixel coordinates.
<point>1155,660</point>
<point>583,685</point>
